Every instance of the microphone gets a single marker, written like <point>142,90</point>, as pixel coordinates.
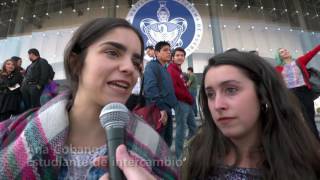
<point>113,118</point>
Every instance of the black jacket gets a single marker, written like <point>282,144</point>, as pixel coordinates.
<point>10,81</point>
<point>38,72</point>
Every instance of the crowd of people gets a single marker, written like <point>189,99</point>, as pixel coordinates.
<point>21,89</point>
<point>254,125</point>
<point>10,96</point>
<point>295,75</point>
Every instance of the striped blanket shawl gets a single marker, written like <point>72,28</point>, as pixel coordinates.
<point>32,144</point>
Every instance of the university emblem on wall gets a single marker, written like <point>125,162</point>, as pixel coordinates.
<point>174,21</point>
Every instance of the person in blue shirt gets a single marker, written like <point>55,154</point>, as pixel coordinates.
<point>158,87</point>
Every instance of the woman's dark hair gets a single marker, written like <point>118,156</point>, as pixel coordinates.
<point>4,70</point>
<point>87,34</point>
<point>288,148</point>
<point>16,58</point>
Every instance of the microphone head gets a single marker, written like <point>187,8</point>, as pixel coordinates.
<point>114,115</point>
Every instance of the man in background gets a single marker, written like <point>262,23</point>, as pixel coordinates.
<point>37,75</point>
<point>149,53</point>
<point>192,86</point>
<point>134,97</point>
<point>158,88</point>
<point>183,109</point>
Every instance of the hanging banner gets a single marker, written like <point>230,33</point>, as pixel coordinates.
<point>174,21</point>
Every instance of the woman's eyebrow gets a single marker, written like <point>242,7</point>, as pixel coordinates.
<point>223,83</point>
<point>120,47</point>
<point>115,44</point>
<point>137,56</point>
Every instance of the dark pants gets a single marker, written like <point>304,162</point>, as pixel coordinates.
<point>194,105</point>
<point>167,132</point>
<point>306,101</point>
<point>31,96</point>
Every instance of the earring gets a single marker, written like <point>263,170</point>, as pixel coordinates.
<point>265,107</point>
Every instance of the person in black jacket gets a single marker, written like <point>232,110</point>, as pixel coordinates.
<point>18,62</point>
<point>36,77</point>
<point>10,96</point>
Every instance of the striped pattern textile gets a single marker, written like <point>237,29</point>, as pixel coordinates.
<point>32,144</point>
<point>292,75</point>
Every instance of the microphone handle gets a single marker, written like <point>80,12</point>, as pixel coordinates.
<point>115,137</point>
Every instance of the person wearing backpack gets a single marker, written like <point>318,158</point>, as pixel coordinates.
<point>38,74</point>
<point>293,73</point>
<point>51,89</point>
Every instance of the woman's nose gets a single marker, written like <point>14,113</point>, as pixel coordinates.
<point>220,102</point>
<point>127,65</point>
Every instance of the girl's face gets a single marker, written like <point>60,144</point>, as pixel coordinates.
<point>111,68</point>
<point>284,53</point>
<point>9,66</point>
<point>19,62</point>
<point>232,101</point>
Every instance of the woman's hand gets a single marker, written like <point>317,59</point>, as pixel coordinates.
<point>164,117</point>
<point>131,172</point>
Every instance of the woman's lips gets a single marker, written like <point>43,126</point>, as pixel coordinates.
<point>225,119</point>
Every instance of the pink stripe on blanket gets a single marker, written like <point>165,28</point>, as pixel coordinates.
<point>44,137</point>
<point>6,167</point>
<point>20,153</point>
<point>22,159</point>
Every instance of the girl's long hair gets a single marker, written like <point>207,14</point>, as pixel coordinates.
<point>4,70</point>
<point>288,148</point>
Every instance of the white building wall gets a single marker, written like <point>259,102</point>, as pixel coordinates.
<point>57,30</point>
